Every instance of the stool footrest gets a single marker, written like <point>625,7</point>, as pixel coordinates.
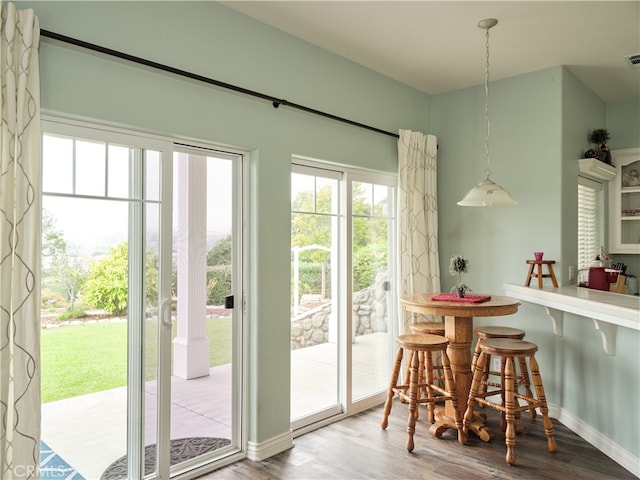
<point>503,409</point>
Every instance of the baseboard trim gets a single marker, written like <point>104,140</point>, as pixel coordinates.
<point>262,450</point>
<point>607,446</point>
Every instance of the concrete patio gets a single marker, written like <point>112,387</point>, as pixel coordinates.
<point>89,431</point>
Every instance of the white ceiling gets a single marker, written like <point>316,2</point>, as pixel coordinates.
<point>436,46</point>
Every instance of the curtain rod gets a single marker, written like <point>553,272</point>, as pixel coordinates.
<point>276,102</point>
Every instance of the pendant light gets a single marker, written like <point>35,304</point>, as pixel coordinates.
<point>487,193</point>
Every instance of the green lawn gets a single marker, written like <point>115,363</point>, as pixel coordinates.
<point>91,357</point>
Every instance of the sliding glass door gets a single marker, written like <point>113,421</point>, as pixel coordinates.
<point>342,315</point>
<point>141,340</point>
<point>205,321</point>
<point>102,277</point>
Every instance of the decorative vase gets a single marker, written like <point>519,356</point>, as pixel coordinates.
<point>605,154</point>
<point>460,292</point>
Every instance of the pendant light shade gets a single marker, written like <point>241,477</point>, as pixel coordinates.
<point>487,193</point>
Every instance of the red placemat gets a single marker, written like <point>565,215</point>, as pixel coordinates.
<point>468,298</point>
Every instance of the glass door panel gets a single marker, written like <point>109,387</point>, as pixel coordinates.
<point>372,229</point>
<point>314,287</point>
<point>100,278</point>
<point>202,337</point>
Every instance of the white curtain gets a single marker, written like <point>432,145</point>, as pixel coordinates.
<point>20,140</point>
<point>419,270</point>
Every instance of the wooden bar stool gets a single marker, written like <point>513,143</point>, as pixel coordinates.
<point>510,349</point>
<point>427,344</point>
<point>538,274</point>
<point>426,361</point>
<point>522,378</point>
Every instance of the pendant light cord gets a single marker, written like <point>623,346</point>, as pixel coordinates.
<point>487,193</point>
<point>487,170</point>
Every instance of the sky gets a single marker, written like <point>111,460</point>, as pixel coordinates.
<point>92,224</point>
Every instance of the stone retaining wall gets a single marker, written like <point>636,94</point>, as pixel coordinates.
<point>369,316</point>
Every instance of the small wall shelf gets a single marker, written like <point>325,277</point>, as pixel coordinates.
<point>594,168</point>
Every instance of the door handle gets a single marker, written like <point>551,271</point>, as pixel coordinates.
<point>165,312</point>
<point>228,301</point>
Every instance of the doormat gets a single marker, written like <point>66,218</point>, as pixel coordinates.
<point>181,449</point>
<point>52,466</point>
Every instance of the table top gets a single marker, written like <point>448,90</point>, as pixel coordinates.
<point>422,303</point>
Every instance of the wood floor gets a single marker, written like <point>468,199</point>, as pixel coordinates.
<point>356,448</point>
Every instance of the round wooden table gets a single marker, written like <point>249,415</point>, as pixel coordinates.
<point>458,326</point>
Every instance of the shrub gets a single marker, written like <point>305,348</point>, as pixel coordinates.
<point>218,284</point>
<point>366,262</point>
<point>220,253</point>
<point>107,285</point>
<point>310,278</point>
<point>51,300</point>
<point>72,312</point>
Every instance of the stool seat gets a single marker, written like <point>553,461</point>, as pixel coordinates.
<point>422,342</point>
<point>490,331</point>
<point>434,328</point>
<point>509,349</point>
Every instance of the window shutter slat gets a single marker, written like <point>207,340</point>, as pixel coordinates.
<point>589,231</point>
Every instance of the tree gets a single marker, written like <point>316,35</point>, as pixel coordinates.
<point>53,242</point>
<point>307,228</point>
<point>70,274</point>
<point>369,233</point>
<point>107,287</point>
<point>63,272</point>
<point>220,253</point>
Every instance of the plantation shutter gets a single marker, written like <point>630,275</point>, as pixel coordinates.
<point>589,222</point>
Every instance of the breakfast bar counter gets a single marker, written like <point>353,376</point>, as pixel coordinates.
<point>607,310</point>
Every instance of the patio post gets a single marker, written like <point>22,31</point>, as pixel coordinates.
<point>191,346</point>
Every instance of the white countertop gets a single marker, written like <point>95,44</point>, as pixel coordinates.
<point>615,308</point>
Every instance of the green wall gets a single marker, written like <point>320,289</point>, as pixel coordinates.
<point>539,127</point>
<point>525,149</point>
<point>623,123</point>
<point>212,40</point>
